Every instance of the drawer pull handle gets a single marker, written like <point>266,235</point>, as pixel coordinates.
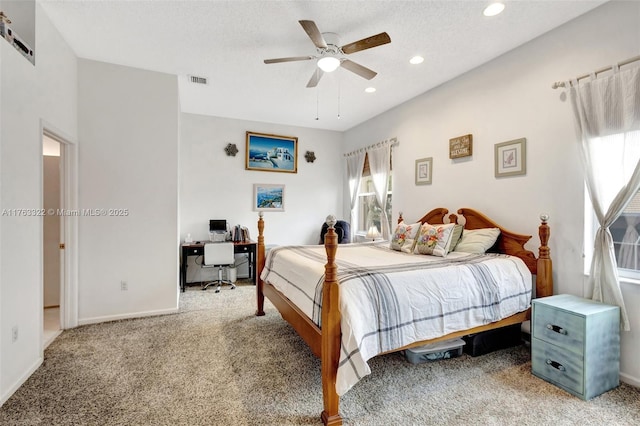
<point>557,329</point>
<point>556,365</point>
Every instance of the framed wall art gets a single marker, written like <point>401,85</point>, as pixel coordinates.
<point>424,168</point>
<point>268,197</point>
<point>271,153</point>
<point>511,158</point>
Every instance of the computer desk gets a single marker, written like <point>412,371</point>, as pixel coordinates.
<point>197,249</point>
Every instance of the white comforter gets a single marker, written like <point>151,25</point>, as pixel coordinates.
<point>390,299</point>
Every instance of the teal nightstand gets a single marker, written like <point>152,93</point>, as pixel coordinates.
<point>575,344</point>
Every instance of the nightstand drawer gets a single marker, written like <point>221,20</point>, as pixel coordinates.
<point>558,365</point>
<point>559,327</point>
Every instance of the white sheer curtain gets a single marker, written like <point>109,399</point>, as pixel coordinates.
<point>380,165</point>
<point>355,164</point>
<point>607,116</point>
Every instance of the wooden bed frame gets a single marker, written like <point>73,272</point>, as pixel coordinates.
<point>326,344</point>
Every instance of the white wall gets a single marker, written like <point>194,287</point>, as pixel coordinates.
<point>128,159</point>
<point>216,186</point>
<point>28,95</point>
<point>506,99</point>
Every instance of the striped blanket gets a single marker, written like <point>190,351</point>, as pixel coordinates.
<point>389,299</point>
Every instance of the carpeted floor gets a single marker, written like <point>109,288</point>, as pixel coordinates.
<point>215,363</point>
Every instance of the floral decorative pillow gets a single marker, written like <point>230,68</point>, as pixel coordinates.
<point>404,236</point>
<point>434,239</point>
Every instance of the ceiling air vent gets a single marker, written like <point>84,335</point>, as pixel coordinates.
<point>197,80</point>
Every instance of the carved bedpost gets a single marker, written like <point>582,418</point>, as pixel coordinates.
<point>260,267</point>
<point>330,330</point>
<point>544,275</point>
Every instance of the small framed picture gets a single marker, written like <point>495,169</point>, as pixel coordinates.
<point>271,153</point>
<point>268,197</point>
<point>511,158</point>
<point>424,167</point>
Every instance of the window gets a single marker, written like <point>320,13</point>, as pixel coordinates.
<point>626,239</point>
<point>369,211</point>
<point>368,208</point>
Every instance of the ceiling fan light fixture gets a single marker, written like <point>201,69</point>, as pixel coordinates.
<point>328,63</point>
<point>493,9</point>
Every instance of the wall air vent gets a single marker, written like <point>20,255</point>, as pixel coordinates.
<point>197,80</point>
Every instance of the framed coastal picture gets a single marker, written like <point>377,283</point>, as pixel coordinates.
<point>511,158</point>
<point>268,197</point>
<point>271,153</point>
<point>423,171</point>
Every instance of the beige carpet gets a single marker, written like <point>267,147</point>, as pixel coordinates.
<point>215,363</point>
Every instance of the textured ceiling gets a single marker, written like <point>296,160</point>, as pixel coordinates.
<point>227,41</point>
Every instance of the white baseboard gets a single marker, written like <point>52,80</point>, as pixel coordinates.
<point>630,380</point>
<point>21,380</point>
<point>96,320</point>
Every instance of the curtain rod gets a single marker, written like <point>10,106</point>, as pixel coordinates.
<point>392,142</point>
<point>596,72</point>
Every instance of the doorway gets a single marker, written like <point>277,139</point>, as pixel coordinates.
<point>52,237</point>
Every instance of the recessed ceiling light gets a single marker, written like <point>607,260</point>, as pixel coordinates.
<point>416,60</point>
<point>493,9</point>
<point>370,89</point>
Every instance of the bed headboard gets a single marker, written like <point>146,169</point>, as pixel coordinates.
<point>508,242</point>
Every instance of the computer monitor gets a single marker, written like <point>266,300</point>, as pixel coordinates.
<point>217,225</point>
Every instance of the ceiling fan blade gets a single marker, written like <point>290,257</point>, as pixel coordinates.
<point>366,43</point>
<point>358,69</point>
<point>314,34</point>
<point>315,78</point>
<point>291,59</point>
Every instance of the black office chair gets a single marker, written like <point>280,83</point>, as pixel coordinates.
<point>342,228</point>
<point>218,255</point>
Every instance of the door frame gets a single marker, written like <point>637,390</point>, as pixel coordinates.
<point>69,225</point>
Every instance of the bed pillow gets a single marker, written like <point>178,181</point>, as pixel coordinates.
<point>434,239</point>
<point>477,240</point>
<point>455,237</point>
<point>404,236</point>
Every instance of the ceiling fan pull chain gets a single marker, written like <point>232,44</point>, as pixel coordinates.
<point>317,104</point>
<point>339,80</point>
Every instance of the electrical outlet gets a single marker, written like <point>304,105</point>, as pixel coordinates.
<point>14,334</point>
<point>124,286</point>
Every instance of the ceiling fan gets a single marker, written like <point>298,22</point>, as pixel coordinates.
<point>330,54</point>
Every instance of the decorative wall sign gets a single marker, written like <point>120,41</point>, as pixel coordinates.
<point>271,153</point>
<point>511,158</point>
<point>268,197</point>
<point>461,146</point>
<point>424,168</point>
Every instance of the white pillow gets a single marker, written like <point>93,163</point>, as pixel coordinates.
<point>434,239</point>
<point>404,236</point>
<point>477,240</point>
<point>455,237</point>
